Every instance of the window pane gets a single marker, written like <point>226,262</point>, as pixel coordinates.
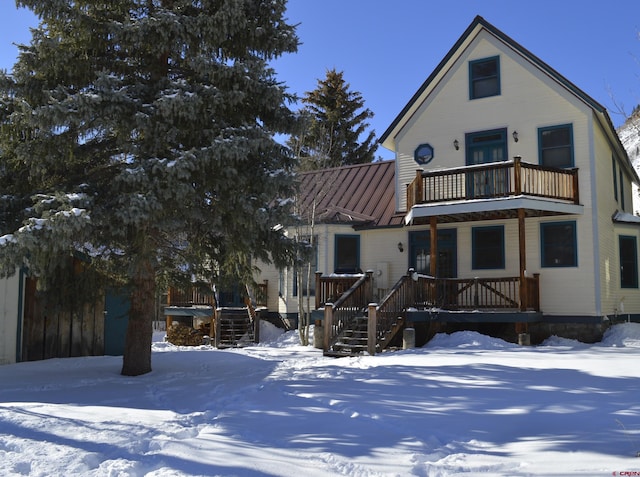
<point>628,262</point>
<point>488,247</point>
<point>558,157</point>
<point>484,76</point>
<point>559,245</point>
<point>556,147</point>
<point>347,259</point>
<point>556,137</point>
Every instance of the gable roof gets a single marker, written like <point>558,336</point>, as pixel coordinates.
<point>473,30</point>
<point>362,195</point>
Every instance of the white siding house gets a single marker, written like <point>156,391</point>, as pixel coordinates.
<point>506,174</point>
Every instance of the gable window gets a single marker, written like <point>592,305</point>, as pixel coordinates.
<point>487,244</point>
<point>484,78</point>
<point>555,145</point>
<point>347,254</point>
<point>628,261</point>
<point>559,244</point>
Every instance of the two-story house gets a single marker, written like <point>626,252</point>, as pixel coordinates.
<point>514,194</point>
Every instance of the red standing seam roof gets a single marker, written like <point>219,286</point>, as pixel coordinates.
<point>361,194</point>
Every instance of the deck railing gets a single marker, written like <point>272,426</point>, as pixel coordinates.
<point>330,287</point>
<point>494,180</point>
<point>192,296</point>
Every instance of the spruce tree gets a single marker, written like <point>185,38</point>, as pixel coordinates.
<point>332,125</point>
<point>139,135</point>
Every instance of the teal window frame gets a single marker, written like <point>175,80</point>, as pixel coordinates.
<point>552,242</point>
<point>475,78</point>
<point>543,149</point>
<point>621,188</point>
<point>628,263</point>
<point>339,264</point>
<point>615,178</point>
<point>488,252</point>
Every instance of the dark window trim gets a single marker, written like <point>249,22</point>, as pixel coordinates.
<point>546,225</point>
<point>335,252</point>
<point>472,80</point>
<point>474,248</point>
<point>633,262</point>
<point>615,178</point>
<point>541,130</point>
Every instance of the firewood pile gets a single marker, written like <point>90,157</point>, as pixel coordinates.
<point>182,335</point>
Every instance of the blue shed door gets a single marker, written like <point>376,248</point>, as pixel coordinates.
<point>116,318</point>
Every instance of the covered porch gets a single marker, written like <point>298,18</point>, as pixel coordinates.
<point>495,191</point>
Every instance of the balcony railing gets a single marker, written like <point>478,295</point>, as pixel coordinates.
<point>494,180</point>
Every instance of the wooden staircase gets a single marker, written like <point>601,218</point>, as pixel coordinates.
<point>353,325</point>
<point>234,327</point>
<point>352,341</point>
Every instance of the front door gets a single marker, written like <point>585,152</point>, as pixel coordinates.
<point>420,252</point>
<point>483,148</point>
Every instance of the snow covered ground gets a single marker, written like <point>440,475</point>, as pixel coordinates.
<point>465,404</point>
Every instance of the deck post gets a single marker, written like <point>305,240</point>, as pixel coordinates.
<point>517,175</point>
<point>372,325</point>
<point>433,259</point>
<point>419,190</point>
<point>319,290</point>
<point>328,325</point>
<point>523,259</point>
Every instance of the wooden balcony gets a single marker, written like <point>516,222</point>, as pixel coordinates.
<point>498,180</point>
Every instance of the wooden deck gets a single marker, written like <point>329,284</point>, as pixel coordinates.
<point>495,180</point>
<point>418,297</point>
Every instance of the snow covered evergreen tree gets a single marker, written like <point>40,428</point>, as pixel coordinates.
<point>331,126</point>
<point>139,134</point>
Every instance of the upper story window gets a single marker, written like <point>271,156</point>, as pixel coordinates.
<point>555,146</point>
<point>484,78</point>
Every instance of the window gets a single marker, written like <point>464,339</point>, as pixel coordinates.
<point>556,146</point>
<point>347,254</point>
<point>306,277</point>
<point>487,245</point>
<point>484,78</point>
<point>559,244</point>
<point>628,261</point>
<point>621,189</point>
<point>615,178</point>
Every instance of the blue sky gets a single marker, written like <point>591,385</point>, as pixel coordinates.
<point>387,49</point>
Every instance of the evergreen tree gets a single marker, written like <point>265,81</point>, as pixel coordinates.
<point>331,126</point>
<point>139,134</point>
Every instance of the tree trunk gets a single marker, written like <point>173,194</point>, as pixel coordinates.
<point>137,349</point>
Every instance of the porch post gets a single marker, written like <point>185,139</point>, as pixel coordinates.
<point>372,329</point>
<point>523,259</point>
<point>433,260</point>
<point>328,325</point>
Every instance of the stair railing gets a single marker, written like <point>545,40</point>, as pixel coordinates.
<point>411,290</point>
<point>341,314</point>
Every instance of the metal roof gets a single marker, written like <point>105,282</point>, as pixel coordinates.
<point>362,195</point>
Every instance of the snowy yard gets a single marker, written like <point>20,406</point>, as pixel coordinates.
<point>465,404</point>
